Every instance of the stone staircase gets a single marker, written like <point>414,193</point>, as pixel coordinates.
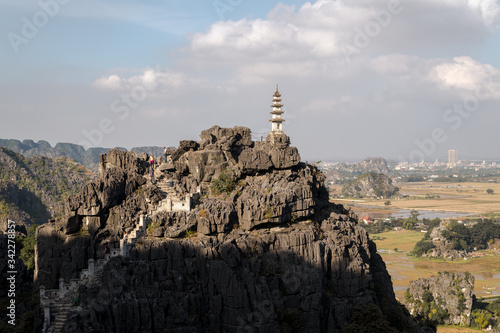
<point>57,303</point>
<point>132,237</point>
<point>171,201</point>
<point>60,312</point>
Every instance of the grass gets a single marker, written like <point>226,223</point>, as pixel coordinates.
<point>404,269</point>
<point>403,240</point>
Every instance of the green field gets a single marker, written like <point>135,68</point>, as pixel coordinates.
<point>403,240</point>
<point>404,268</point>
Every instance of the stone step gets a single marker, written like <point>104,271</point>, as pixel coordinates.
<point>60,321</point>
<point>56,310</point>
<point>59,311</point>
<point>61,315</point>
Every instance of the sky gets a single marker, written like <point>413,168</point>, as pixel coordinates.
<point>404,80</point>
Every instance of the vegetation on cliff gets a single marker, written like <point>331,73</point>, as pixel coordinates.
<point>443,299</point>
<point>28,243</point>
<point>32,189</point>
<point>454,236</point>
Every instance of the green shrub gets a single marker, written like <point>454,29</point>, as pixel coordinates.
<point>28,250</point>
<point>422,247</point>
<point>224,183</point>
<point>268,214</point>
<point>152,227</point>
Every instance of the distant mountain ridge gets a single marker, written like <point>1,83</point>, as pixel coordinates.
<point>89,158</point>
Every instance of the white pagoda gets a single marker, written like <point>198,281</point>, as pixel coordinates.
<point>276,120</point>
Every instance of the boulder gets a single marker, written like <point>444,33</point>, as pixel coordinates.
<point>225,138</point>
<point>285,158</point>
<point>125,160</point>
<point>184,146</point>
<point>167,167</point>
<point>253,160</point>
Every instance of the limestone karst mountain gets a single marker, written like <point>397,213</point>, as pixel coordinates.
<point>33,188</point>
<point>233,236</point>
<point>369,164</point>
<point>89,158</point>
<point>370,184</point>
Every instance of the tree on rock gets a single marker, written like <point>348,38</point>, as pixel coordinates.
<point>28,250</point>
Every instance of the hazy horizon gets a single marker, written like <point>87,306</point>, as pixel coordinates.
<point>347,159</point>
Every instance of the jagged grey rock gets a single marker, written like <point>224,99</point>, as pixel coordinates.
<point>443,247</point>
<point>266,253</point>
<point>370,184</point>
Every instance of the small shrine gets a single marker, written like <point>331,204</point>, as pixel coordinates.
<point>276,120</point>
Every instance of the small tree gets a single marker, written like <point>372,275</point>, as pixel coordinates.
<point>28,251</point>
<point>490,191</point>
<point>408,224</point>
<point>387,203</point>
<point>414,215</point>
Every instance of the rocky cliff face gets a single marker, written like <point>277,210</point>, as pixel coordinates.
<point>444,299</point>
<point>370,185</point>
<point>241,238</point>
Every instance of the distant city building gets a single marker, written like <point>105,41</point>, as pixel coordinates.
<point>276,120</point>
<point>452,158</point>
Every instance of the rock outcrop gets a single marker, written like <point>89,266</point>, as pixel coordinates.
<point>369,164</point>
<point>370,185</point>
<point>373,164</point>
<point>241,237</point>
<point>445,299</point>
<point>443,248</point>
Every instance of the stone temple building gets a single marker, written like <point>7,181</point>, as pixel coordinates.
<point>276,120</point>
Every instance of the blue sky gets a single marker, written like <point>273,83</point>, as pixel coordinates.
<point>358,78</point>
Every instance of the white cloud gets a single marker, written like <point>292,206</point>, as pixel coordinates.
<point>488,10</point>
<point>465,73</point>
<point>324,28</point>
<point>397,82</point>
<point>151,79</point>
<point>112,82</point>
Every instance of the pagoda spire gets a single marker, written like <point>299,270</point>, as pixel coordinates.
<point>276,120</point>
